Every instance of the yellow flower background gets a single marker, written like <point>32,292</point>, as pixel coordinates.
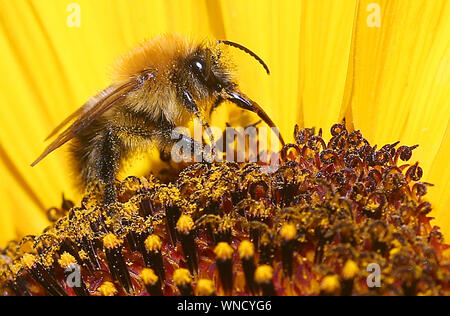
<point>384,65</point>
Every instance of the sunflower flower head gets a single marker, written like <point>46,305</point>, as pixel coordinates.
<point>319,225</point>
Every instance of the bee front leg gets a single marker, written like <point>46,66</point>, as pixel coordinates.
<point>190,104</point>
<point>174,138</point>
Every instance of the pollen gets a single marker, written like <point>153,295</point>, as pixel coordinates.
<point>263,274</point>
<point>15,268</point>
<point>66,260</point>
<point>205,287</point>
<point>83,255</point>
<point>29,261</point>
<point>246,249</point>
<point>107,289</point>
<point>223,251</point>
<point>181,277</point>
<point>185,224</point>
<point>394,251</point>
<point>111,241</point>
<point>288,232</point>
<point>330,284</point>
<point>153,243</point>
<point>148,276</point>
<point>350,270</point>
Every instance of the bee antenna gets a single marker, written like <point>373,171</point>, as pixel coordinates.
<point>248,51</point>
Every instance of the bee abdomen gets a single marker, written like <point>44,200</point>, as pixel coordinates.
<point>96,155</point>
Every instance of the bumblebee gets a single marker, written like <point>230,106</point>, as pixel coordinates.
<point>161,84</point>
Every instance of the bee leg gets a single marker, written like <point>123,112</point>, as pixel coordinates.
<point>173,137</point>
<point>190,104</point>
<point>110,196</point>
<point>164,155</point>
<point>109,166</point>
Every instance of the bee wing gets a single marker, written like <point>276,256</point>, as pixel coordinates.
<point>87,114</point>
<point>87,106</point>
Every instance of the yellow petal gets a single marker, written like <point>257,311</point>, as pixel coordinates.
<point>308,74</point>
<point>7,227</point>
<point>20,214</point>
<point>398,82</point>
<point>326,34</point>
<point>440,176</point>
<point>264,27</point>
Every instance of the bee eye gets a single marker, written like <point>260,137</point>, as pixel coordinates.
<point>199,69</point>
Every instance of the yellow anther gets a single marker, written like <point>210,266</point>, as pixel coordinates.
<point>111,241</point>
<point>330,283</point>
<point>28,260</point>
<point>263,274</point>
<point>153,243</point>
<point>66,260</point>
<point>350,270</point>
<point>148,276</point>
<point>205,287</point>
<point>185,224</point>
<point>223,251</point>
<point>181,277</point>
<point>246,249</point>
<point>107,289</point>
<point>288,232</point>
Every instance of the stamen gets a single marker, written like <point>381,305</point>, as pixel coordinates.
<point>151,281</point>
<point>186,234</point>
<point>287,233</point>
<point>349,272</point>
<point>173,213</point>
<point>88,249</point>
<point>69,264</point>
<point>330,285</point>
<point>146,207</point>
<point>71,248</point>
<point>107,289</point>
<point>224,230</point>
<point>116,262</point>
<point>182,279</point>
<point>153,255</point>
<point>18,286</point>
<point>247,254</point>
<point>310,226</point>
<point>224,255</point>
<point>132,238</point>
<point>264,278</point>
<point>43,276</point>
<point>267,250</point>
<point>205,287</point>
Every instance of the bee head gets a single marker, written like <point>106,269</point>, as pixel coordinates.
<point>209,71</point>
<point>210,79</point>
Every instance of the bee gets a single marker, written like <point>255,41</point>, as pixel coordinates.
<point>161,84</point>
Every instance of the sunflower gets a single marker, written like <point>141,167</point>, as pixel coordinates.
<point>381,65</point>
